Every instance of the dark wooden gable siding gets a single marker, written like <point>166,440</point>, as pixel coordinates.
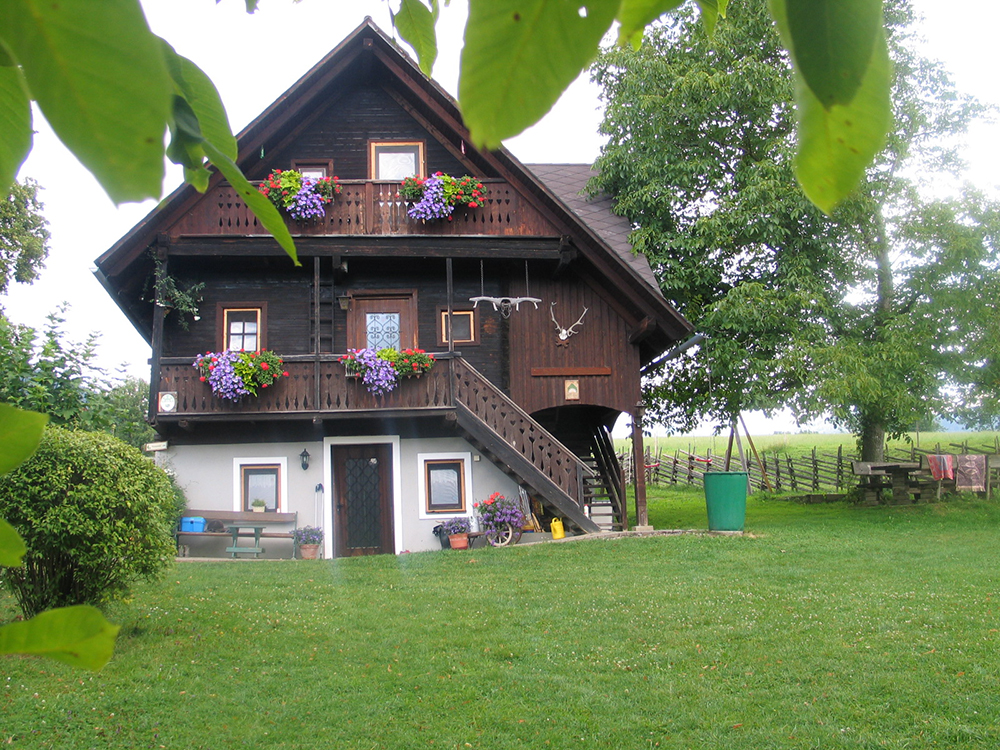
<point>342,129</point>
<point>539,367</point>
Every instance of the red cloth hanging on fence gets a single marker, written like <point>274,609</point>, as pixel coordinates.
<point>942,467</point>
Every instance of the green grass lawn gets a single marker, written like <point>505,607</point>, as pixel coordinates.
<point>827,626</point>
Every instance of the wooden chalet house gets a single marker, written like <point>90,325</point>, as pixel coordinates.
<point>510,404</point>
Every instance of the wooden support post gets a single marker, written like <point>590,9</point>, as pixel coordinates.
<point>449,272</point>
<point>157,339</point>
<point>638,454</point>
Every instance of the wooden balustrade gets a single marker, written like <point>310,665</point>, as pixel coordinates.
<point>518,429</point>
<point>368,207</point>
<point>298,392</point>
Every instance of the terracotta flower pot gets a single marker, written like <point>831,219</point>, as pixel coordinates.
<point>309,551</point>
<point>459,541</point>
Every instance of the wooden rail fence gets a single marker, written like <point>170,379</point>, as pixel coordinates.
<point>814,472</point>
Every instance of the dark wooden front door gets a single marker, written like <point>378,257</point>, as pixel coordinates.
<point>362,503</point>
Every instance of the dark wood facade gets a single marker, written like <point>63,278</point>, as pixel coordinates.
<point>522,242</point>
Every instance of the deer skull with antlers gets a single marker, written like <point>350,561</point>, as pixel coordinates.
<point>565,333</point>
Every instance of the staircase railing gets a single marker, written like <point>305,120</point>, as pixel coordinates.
<point>516,427</point>
<point>611,472</point>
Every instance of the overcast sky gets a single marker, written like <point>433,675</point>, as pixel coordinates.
<point>291,38</point>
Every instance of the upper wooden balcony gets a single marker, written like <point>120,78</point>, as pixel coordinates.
<point>367,207</point>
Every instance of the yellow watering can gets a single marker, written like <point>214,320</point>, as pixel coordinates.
<point>556,527</point>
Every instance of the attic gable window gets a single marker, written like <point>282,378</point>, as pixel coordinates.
<point>395,160</point>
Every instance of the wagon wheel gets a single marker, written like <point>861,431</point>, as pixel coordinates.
<point>504,536</point>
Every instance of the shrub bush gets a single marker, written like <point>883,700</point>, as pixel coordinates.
<point>95,515</point>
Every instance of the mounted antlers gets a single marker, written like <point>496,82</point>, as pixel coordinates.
<point>565,333</point>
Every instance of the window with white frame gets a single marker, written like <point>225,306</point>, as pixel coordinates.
<point>445,484</point>
<point>260,479</point>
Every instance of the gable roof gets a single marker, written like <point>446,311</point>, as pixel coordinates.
<point>552,191</point>
<point>569,182</point>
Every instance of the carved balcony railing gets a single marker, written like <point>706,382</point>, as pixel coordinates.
<point>313,385</point>
<point>518,430</point>
<point>369,207</point>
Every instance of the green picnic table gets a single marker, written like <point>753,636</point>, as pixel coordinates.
<point>235,529</point>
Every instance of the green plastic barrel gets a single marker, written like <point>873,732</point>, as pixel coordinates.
<point>726,499</point>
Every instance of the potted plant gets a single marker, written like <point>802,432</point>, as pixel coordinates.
<point>308,540</point>
<point>302,197</point>
<point>501,519</point>
<point>457,530</point>
<point>438,195</point>
<point>258,506</point>
<point>234,375</point>
<point>381,370</point>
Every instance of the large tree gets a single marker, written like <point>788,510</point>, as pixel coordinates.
<point>24,235</point>
<point>878,314</point>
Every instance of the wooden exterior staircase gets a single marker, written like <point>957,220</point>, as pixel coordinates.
<point>604,490</point>
<point>527,451</point>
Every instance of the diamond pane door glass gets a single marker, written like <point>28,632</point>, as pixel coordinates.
<point>382,330</point>
<point>364,512</point>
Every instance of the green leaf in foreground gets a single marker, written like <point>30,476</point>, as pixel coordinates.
<point>261,206</point>
<point>15,125</point>
<point>635,15</point>
<point>415,22</point>
<point>837,144</point>
<point>832,42</point>
<point>203,98</point>
<point>78,636</point>
<point>20,432</point>
<point>520,55</point>
<point>12,547</point>
<point>711,11</point>
<point>98,75</point>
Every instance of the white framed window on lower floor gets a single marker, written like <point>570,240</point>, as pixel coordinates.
<point>260,479</point>
<point>445,484</point>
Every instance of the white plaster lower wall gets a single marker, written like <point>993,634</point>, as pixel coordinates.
<point>486,479</point>
<point>205,472</point>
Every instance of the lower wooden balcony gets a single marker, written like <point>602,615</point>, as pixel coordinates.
<point>314,384</point>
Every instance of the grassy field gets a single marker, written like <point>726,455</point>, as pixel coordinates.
<point>825,627</point>
<point>803,443</point>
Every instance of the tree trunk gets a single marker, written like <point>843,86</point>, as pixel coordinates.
<point>872,442</point>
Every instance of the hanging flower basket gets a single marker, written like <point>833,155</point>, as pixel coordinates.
<point>302,198</point>
<point>233,375</point>
<point>381,370</point>
<point>438,195</point>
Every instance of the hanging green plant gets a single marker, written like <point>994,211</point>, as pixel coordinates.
<point>174,294</point>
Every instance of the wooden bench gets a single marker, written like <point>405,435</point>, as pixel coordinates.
<point>228,518</point>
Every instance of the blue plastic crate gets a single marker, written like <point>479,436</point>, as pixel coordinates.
<point>192,523</point>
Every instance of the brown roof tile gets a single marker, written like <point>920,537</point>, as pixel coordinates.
<point>568,182</point>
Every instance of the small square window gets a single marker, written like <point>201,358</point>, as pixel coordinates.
<point>242,329</point>
<point>463,324</point>
<point>396,160</point>
<point>315,169</point>
<point>261,484</point>
<point>444,486</point>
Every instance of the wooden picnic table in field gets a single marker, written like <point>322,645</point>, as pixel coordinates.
<point>899,474</point>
